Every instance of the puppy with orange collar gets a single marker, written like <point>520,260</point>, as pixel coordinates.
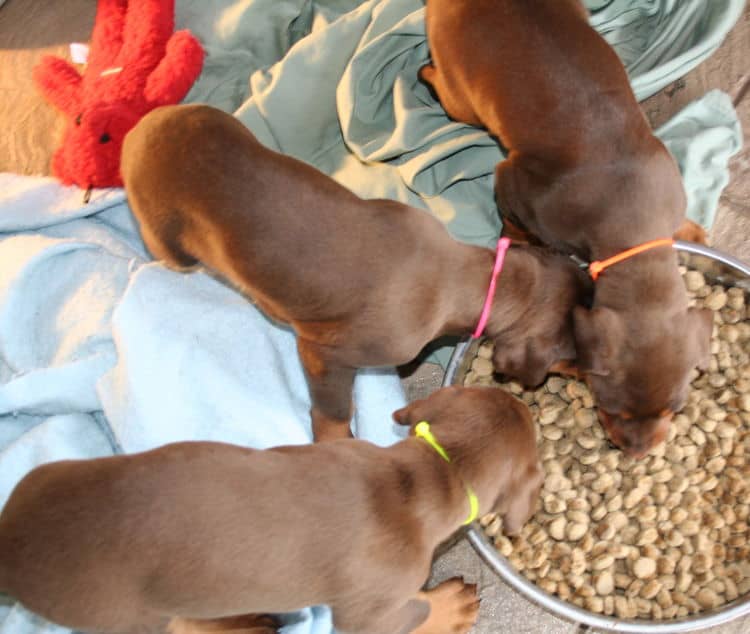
<point>585,175</point>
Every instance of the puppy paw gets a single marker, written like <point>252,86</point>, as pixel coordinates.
<point>454,606</point>
<point>566,367</point>
<point>691,232</point>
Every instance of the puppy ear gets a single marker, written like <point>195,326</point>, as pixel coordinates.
<point>521,504</point>
<point>404,416</point>
<point>597,332</point>
<point>433,408</point>
<point>526,360</point>
<point>700,325</point>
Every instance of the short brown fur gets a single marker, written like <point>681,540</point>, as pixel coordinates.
<point>585,175</point>
<point>363,282</point>
<point>206,531</point>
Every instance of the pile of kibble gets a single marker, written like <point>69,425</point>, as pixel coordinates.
<point>659,538</point>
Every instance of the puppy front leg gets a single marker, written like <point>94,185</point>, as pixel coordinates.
<point>451,607</point>
<point>401,620</point>
<point>331,385</point>
<point>454,607</point>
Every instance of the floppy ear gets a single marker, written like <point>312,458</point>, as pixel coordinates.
<point>526,360</point>
<point>700,325</point>
<point>405,415</point>
<point>597,332</point>
<point>519,505</point>
<point>430,408</point>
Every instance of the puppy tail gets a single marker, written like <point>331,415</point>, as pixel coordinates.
<point>4,573</point>
<point>8,562</point>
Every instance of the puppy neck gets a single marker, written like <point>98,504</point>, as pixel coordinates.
<point>437,490</point>
<point>518,290</point>
<point>471,282</point>
<point>471,455</point>
<point>648,280</point>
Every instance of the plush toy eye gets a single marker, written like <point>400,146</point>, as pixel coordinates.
<point>105,138</point>
<point>78,119</point>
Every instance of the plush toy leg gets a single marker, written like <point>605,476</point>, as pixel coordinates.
<point>106,38</point>
<point>148,26</point>
<point>177,71</point>
<point>60,82</point>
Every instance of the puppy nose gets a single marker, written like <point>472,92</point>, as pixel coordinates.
<point>618,439</point>
<point>637,453</point>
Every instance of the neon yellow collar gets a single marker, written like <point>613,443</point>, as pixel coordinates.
<point>422,430</point>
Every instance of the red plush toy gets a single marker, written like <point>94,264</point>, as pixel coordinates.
<point>136,63</point>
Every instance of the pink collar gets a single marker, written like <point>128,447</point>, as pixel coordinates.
<point>502,248</point>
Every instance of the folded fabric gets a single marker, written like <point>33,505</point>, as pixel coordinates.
<point>660,41</point>
<point>702,138</point>
<point>102,352</point>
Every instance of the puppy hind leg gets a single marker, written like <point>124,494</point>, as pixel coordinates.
<point>453,104</point>
<point>164,246</point>
<point>331,385</point>
<point>427,74</point>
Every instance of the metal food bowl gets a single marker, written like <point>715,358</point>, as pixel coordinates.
<point>717,268</point>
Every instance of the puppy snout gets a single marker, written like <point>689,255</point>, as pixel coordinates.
<point>403,416</point>
<point>637,453</point>
<point>636,438</point>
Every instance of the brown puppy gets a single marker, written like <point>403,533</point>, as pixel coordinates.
<point>363,282</point>
<point>585,175</point>
<point>203,530</point>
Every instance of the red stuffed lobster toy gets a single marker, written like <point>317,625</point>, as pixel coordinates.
<point>136,63</point>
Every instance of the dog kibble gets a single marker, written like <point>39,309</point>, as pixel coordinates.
<point>576,531</point>
<point>633,497</point>
<point>716,300</point>
<point>482,366</point>
<point>644,568</point>
<point>663,537</point>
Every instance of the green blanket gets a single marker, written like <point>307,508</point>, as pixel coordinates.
<point>334,83</point>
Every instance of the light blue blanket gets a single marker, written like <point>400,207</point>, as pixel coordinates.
<point>102,351</point>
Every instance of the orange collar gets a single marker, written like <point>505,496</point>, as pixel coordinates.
<point>595,268</point>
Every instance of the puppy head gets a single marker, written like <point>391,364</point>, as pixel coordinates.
<point>545,335</point>
<point>518,501</point>
<point>489,435</point>
<point>638,365</point>
<point>529,359</point>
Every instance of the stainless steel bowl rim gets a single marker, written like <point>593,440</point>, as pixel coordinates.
<point>568,611</point>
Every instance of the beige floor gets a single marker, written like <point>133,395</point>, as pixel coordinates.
<point>504,611</point>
